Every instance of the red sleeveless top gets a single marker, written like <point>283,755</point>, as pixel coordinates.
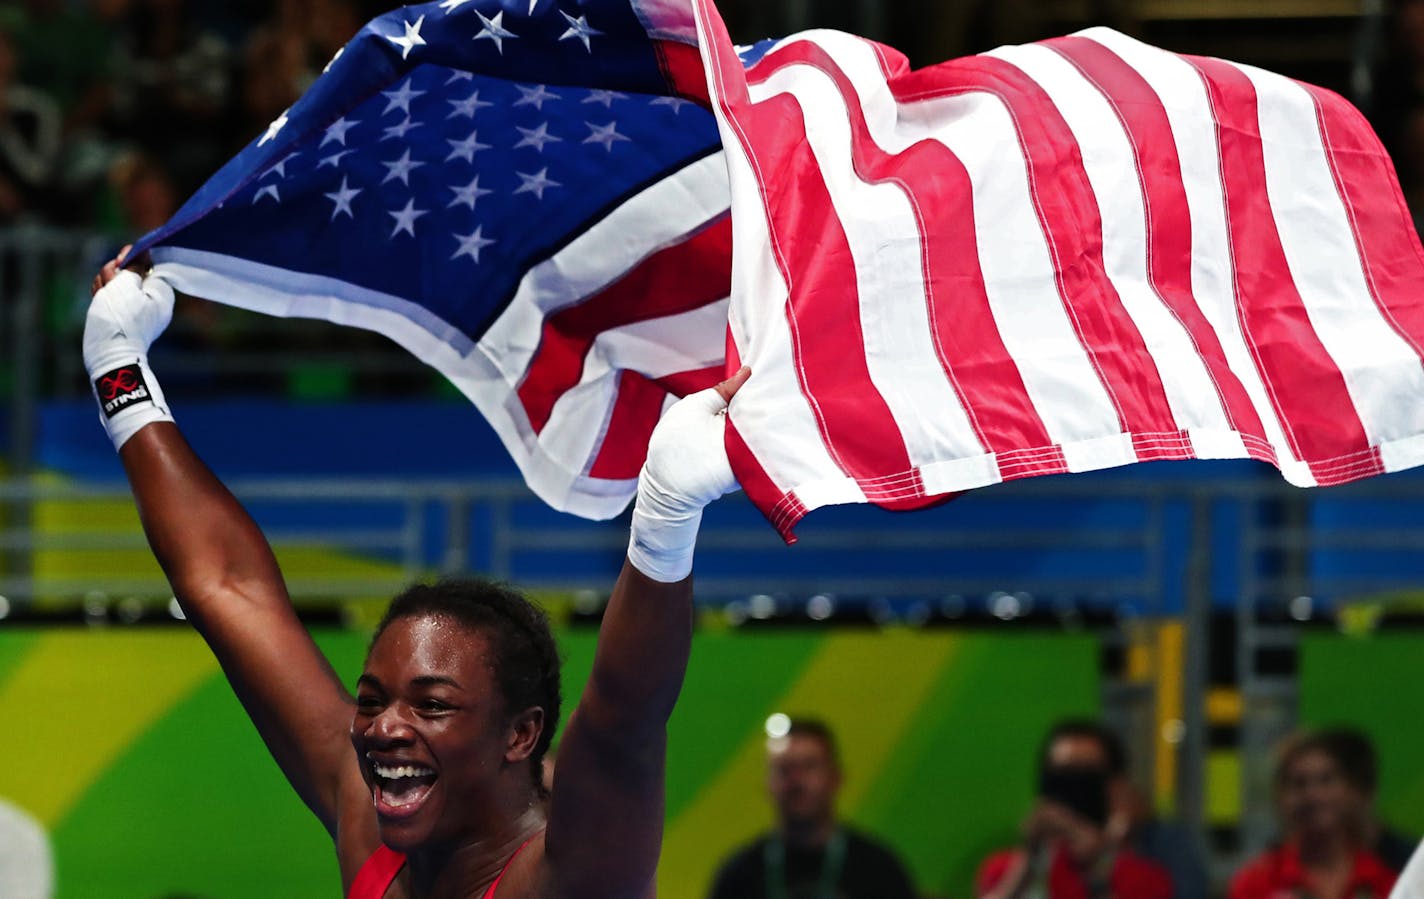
<point>380,870</point>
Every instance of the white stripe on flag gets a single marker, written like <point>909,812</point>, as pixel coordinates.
<point>1013,251</point>
<point>689,341</point>
<point>1111,167</point>
<point>1184,97</point>
<point>883,233</point>
<point>772,413</point>
<point>1382,371</point>
<point>659,217</point>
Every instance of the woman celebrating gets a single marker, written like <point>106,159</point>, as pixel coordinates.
<point>429,779</point>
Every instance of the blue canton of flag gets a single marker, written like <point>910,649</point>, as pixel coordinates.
<point>518,192</point>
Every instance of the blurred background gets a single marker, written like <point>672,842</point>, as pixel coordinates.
<point>1204,612</point>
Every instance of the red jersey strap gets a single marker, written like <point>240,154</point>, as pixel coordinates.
<point>380,870</point>
<point>377,874</point>
<point>489,894</point>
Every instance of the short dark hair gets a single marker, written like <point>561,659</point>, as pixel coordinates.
<point>1351,749</point>
<point>1089,729</point>
<point>525,656</point>
<point>817,729</point>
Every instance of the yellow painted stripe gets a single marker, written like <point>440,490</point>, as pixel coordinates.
<point>1171,659</point>
<point>66,682</point>
<point>867,690</point>
<point>1224,706</point>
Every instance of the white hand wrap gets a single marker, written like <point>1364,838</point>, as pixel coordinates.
<point>124,319</point>
<point>687,468</point>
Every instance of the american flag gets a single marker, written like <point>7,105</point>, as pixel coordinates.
<point>1055,258</point>
<point>520,193</point>
<point>1051,258</point>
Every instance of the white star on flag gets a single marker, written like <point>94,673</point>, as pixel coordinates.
<point>607,135</point>
<point>579,29</point>
<point>342,198</point>
<point>268,191</point>
<point>675,102</point>
<point>400,98</point>
<point>468,106</point>
<point>274,129</point>
<point>334,160</point>
<point>405,219</point>
<point>472,244</point>
<point>451,5</point>
<point>536,137</point>
<point>279,168</point>
<point>411,39</point>
<point>465,149</point>
<point>537,183</point>
<point>401,168</point>
<point>494,30</point>
<point>604,97</point>
<point>336,131</point>
<point>459,76</point>
<point>468,195</point>
<point>534,96</point>
<point>399,132</point>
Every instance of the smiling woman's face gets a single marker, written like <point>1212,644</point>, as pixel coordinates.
<point>429,731</point>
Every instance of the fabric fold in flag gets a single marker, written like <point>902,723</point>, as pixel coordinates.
<point>530,197</point>
<point>1054,258</point>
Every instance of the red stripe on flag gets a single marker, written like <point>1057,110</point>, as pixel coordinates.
<point>1072,222</point>
<point>967,338</point>
<point>624,447</point>
<point>680,278</point>
<point>636,412</point>
<point>682,67</point>
<point>1388,244</point>
<point>1169,228</point>
<point>684,383</point>
<point>783,510</point>
<point>1308,390</point>
<point>823,312</point>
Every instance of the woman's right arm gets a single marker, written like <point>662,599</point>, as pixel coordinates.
<point>220,566</point>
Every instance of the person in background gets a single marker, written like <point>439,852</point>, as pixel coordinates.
<point>1356,752</point>
<point>1069,848</point>
<point>1132,821</point>
<point>1323,852</point>
<point>29,138</point>
<point>811,854</point>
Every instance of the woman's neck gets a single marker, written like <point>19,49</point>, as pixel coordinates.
<point>449,871</point>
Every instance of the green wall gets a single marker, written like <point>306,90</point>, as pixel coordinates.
<point>130,748</point>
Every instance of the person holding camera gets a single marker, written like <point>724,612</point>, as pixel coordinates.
<point>1068,851</point>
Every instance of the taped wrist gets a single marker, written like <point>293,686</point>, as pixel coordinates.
<point>128,395</point>
<point>663,534</point>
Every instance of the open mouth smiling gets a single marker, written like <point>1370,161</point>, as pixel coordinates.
<point>399,790</point>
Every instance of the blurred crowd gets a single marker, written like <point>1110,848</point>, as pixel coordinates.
<point>112,111</point>
<point>1089,833</point>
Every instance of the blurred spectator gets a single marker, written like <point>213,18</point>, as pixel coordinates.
<point>29,138</point>
<point>1356,754</point>
<point>26,860</point>
<point>1132,821</point>
<point>1076,839</point>
<point>811,853</point>
<point>173,89</point>
<point>1323,852</point>
<point>286,54</point>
